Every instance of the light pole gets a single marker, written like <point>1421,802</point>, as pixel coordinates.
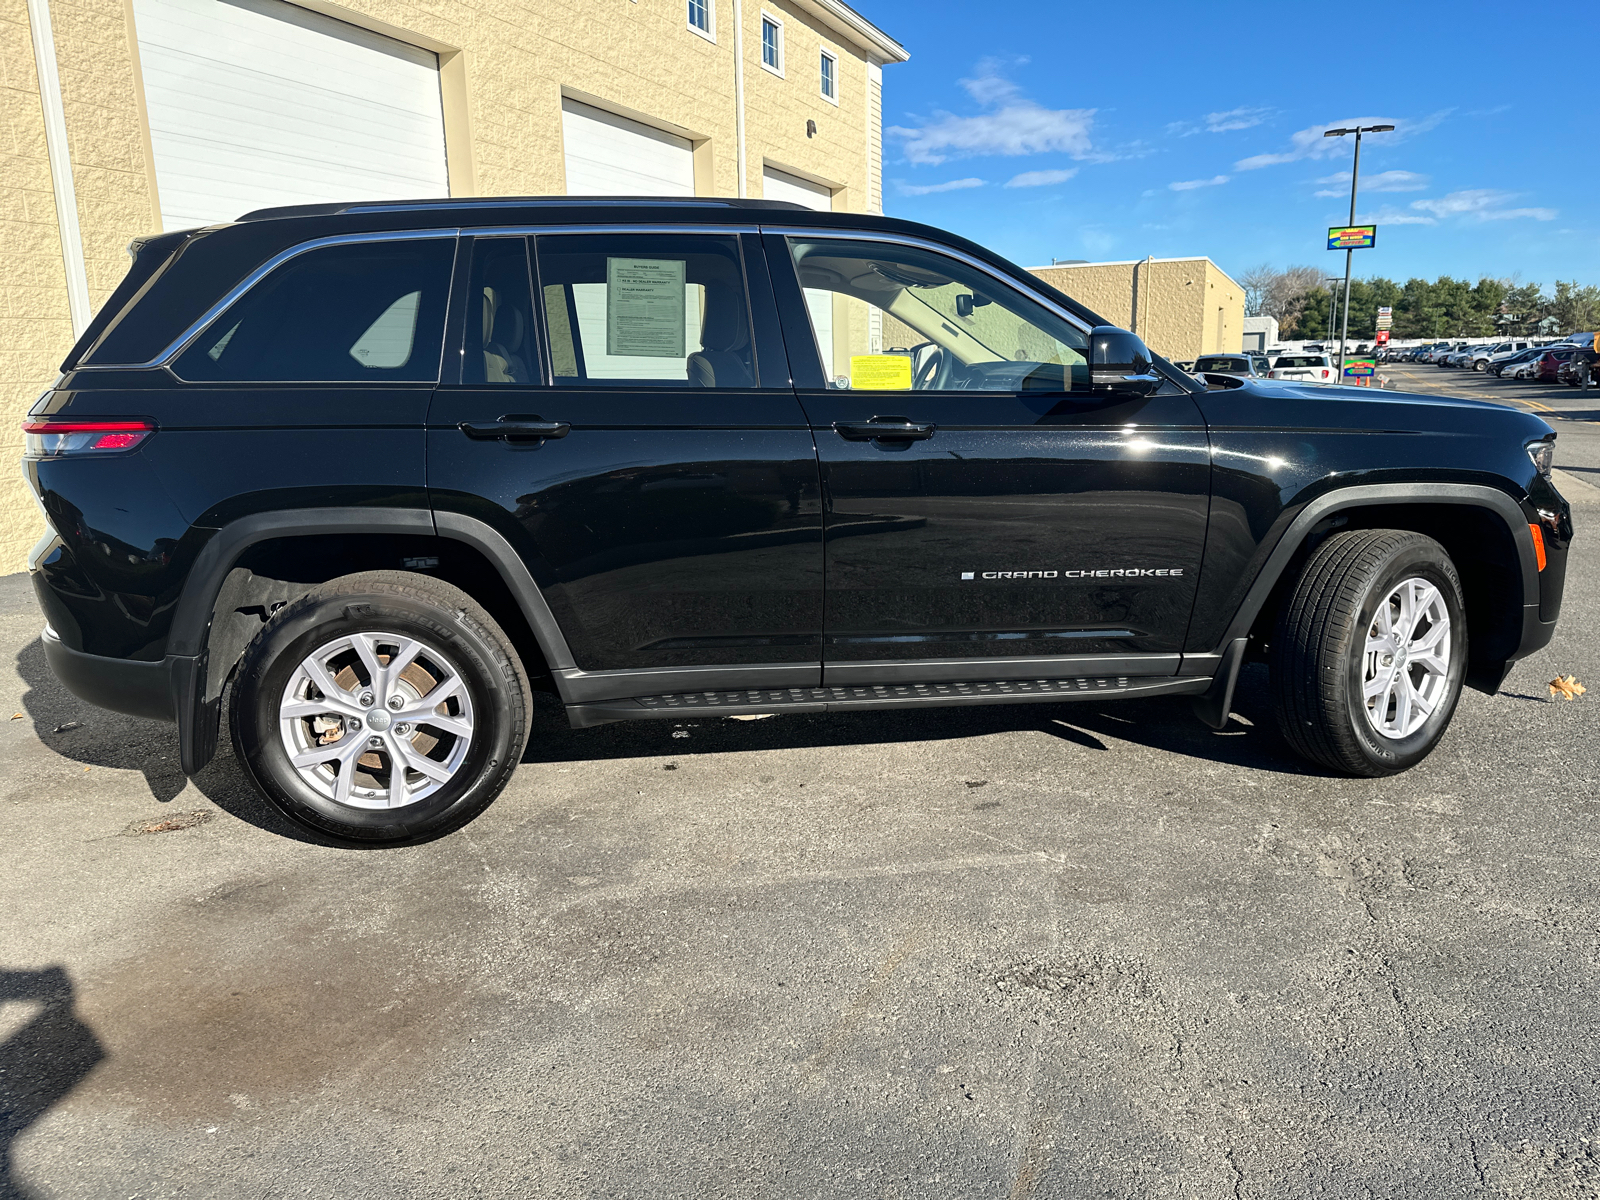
<point>1333,302</point>
<point>1355,171</point>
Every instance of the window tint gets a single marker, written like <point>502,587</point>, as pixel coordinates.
<point>888,317</point>
<point>499,338</point>
<point>341,314</point>
<point>1301,360</point>
<point>653,310</point>
<point>1221,363</point>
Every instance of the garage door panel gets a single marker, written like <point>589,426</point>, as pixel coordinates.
<point>255,103</point>
<point>608,155</point>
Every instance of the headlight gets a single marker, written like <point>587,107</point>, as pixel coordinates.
<point>1543,453</point>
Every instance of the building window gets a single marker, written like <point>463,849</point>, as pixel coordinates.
<point>700,18</point>
<point>772,43</point>
<point>830,77</point>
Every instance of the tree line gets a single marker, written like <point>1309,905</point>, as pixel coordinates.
<point>1303,302</point>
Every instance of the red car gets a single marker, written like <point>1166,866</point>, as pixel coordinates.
<point>1547,369</point>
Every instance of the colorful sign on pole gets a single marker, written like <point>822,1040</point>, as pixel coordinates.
<point>1383,337</point>
<point>1355,368</point>
<point>1352,237</point>
<point>1385,317</point>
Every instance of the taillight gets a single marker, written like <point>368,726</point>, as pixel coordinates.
<point>53,439</point>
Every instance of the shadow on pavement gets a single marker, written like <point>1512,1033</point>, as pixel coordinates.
<point>41,1062</point>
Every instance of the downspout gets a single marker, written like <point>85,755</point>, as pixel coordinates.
<point>55,140</point>
<point>738,92</point>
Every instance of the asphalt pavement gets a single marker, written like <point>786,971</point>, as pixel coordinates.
<point>1077,950</point>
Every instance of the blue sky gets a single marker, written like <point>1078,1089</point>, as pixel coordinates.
<point>1114,130</point>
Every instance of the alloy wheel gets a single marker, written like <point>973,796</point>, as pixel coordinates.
<point>376,720</point>
<point>1406,662</point>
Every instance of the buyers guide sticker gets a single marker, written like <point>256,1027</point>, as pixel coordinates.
<point>880,372</point>
<point>645,307</point>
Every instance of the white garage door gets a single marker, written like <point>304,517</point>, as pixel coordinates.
<point>608,155</point>
<point>255,103</point>
<point>778,185</point>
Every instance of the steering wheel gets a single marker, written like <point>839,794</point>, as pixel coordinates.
<point>930,373</point>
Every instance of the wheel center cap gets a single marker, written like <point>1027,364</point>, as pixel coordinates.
<point>379,720</point>
<point>1400,657</point>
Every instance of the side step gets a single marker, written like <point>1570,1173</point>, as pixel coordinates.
<point>881,695</point>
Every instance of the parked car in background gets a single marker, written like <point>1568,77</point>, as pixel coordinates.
<point>1502,364</point>
<point>1483,355</point>
<point>1528,368</point>
<point>1313,368</point>
<point>1548,364</point>
<point>1578,370</point>
<point>1244,366</point>
<point>1461,357</point>
<point>1441,352</point>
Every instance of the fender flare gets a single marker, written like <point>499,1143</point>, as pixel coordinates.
<point>187,645</point>
<point>1367,496</point>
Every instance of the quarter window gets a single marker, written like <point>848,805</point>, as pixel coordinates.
<point>500,327</point>
<point>646,310</point>
<point>830,77</point>
<point>339,314</point>
<point>772,44</point>
<point>889,317</point>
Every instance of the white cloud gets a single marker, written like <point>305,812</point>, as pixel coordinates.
<point>925,189</point>
<point>1013,126</point>
<point>1310,143</point>
<point>1189,185</point>
<point>1236,118</point>
<point>1383,181</point>
<point>1040,178</point>
<point>1482,204</point>
<point>1394,216</point>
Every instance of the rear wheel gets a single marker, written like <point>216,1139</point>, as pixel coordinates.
<point>1369,652</point>
<point>382,707</point>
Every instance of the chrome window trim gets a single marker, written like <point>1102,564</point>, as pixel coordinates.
<point>900,239</point>
<point>198,326</point>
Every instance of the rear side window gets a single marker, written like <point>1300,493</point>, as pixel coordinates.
<point>1221,364</point>
<point>500,328</point>
<point>368,311</point>
<point>646,310</point>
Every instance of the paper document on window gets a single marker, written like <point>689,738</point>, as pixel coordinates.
<point>645,307</point>
<point>880,372</point>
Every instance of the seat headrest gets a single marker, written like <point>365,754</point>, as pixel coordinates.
<point>723,327</point>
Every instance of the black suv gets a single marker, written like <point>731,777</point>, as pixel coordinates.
<point>385,469</point>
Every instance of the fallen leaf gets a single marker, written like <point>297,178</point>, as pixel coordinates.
<point>16,716</point>
<point>1567,687</point>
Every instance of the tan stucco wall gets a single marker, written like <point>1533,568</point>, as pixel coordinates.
<point>1186,307</point>
<point>505,65</point>
<point>35,326</point>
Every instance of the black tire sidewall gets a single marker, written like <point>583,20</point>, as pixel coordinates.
<point>273,661</point>
<point>1399,754</point>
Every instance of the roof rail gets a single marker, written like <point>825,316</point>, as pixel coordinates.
<point>482,202</point>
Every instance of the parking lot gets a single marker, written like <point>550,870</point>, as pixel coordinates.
<point>1075,950</point>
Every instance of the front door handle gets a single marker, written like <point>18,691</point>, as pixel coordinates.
<point>515,429</point>
<point>884,429</point>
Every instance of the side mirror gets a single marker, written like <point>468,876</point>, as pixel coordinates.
<point>1119,363</point>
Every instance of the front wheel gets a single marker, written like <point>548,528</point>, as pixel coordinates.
<point>381,707</point>
<point>1369,652</point>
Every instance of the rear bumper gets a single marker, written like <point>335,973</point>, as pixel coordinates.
<point>140,689</point>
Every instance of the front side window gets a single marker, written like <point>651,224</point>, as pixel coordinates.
<point>830,75</point>
<point>700,16</point>
<point>888,317</point>
<point>646,310</point>
<point>771,44</point>
<point>367,311</point>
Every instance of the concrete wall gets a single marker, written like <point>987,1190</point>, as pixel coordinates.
<point>504,68</point>
<point>1181,307</point>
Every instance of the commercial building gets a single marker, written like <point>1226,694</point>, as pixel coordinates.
<point>1181,307</point>
<point>131,116</point>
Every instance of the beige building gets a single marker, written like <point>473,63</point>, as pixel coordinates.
<point>129,116</point>
<point>1181,307</point>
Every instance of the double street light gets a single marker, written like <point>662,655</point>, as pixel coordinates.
<point>1355,172</point>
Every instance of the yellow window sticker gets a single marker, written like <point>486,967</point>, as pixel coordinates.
<point>880,373</point>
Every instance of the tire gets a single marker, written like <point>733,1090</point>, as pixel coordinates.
<point>1479,365</point>
<point>455,755</point>
<point>1320,662</point>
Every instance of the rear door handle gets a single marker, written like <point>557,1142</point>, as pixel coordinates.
<point>884,429</point>
<point>515,429</point>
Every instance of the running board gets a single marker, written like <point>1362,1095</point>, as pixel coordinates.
<point>883,695</point>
